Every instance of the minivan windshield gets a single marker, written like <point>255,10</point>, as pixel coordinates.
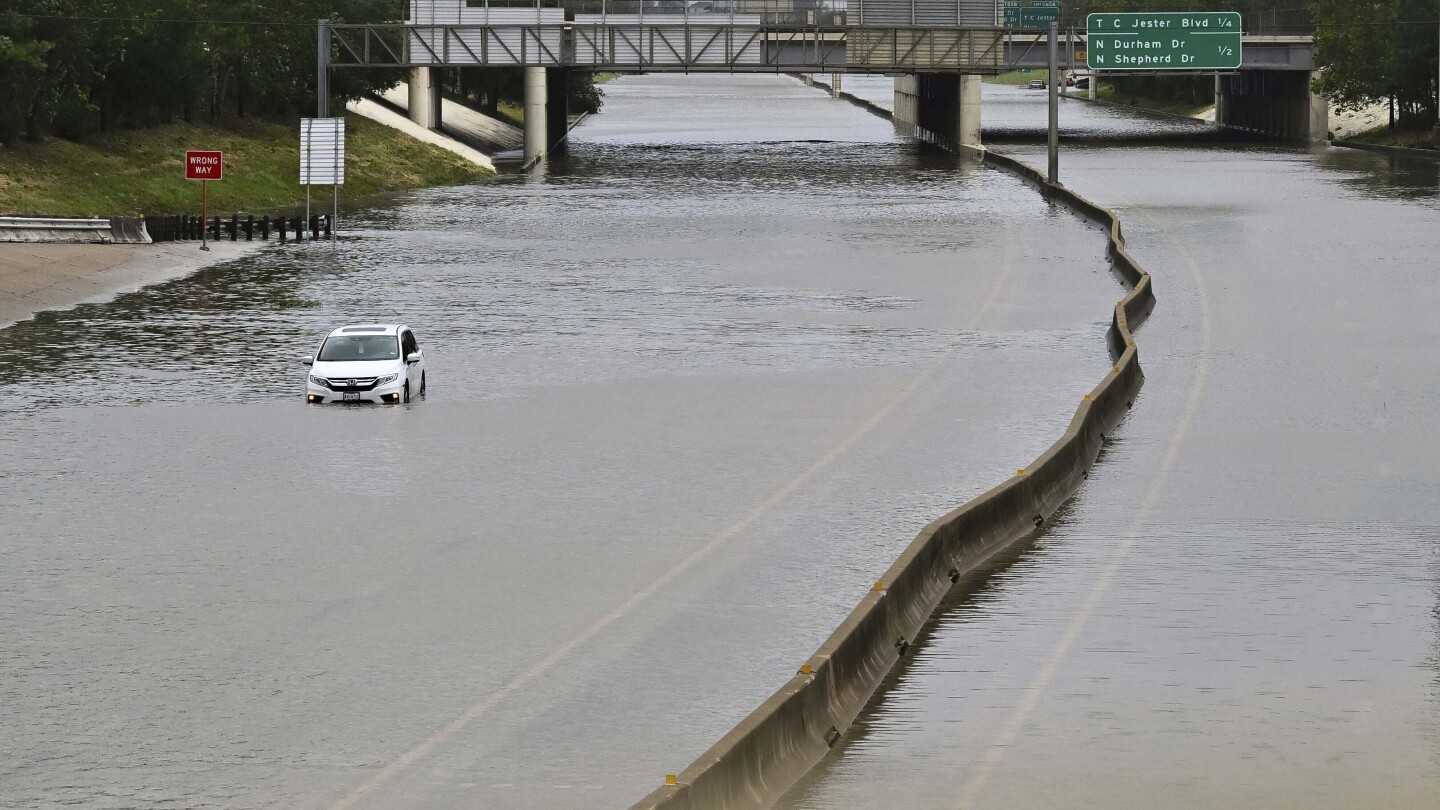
<point>345,348</point>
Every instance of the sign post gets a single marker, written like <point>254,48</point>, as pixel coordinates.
<point>1191,40</point>
<point>1052,136</point>
<point>204,166</point>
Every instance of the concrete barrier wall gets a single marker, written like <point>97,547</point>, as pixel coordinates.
<point>752,765</point>
<point>129,231</point>
<point>1398,151</point>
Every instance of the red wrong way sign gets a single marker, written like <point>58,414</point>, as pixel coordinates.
<point>204,165</point>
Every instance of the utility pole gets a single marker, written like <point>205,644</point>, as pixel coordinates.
<point>1053,140</point>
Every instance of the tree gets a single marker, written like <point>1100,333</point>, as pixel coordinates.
<point>1377,50</point>
<point>22,63</point>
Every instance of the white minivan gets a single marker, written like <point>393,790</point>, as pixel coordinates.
<point>379,363</point>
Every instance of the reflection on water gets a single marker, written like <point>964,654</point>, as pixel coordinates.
<point>472,286</point>
<point>1240,610</point>
<point>740,341</point>
<point>235,600</point>
<point>1377,175</point>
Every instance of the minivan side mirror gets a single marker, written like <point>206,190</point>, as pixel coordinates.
<point>412,358</point>
<point>308,360</point>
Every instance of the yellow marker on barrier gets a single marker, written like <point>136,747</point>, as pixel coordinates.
<point>1087,397</point>
<point>879,586</point>
<point>805,669</point>
<point>1019,472</point>
<point>670,779</point>
<point>1117,369</point>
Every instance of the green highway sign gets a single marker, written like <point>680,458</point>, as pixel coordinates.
<point>1039,14</point>
<point>1199,40</point>
<point>1012,13</point>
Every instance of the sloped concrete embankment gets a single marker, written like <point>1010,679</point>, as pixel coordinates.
<point>773,747</point>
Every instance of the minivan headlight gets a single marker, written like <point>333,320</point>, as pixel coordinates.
<point>387,379</point>
<point>320,381</point>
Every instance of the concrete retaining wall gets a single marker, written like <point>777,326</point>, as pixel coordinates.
<point>752,765</point>
<point>1398,151</point>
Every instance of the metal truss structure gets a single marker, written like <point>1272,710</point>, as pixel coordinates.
<point>736,44</point>
<point>729,44</point>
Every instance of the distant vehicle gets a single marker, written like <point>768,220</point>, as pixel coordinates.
<point>1069,81</point>
<point>1037,84</point>
<point>379,363</point>
<point>1082,83</point>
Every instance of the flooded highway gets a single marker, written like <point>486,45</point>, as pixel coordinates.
<point>1241,608</point>
<point>688,393</point>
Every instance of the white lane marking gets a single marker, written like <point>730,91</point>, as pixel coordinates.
<point>420,750</point>
<point>1035,690</point>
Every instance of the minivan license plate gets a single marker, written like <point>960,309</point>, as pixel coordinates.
<point>351,396</point>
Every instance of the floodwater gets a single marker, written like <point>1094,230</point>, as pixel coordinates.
<point>690,392</point>
<point>1241,608</point>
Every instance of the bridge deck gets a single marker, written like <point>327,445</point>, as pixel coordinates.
<point>735,45</point>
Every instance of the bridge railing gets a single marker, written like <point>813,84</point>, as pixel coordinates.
<point>628,42</point>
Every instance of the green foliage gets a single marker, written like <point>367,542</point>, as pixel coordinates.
<point>493,89</point>
<point>71,67</point>
<point>142,171</point>
<point>1374,50</point>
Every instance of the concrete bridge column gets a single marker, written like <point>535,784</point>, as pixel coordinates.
<point>536,126</point>
<point>1319,125</point>
<point>1274,103</point>
<point>835,84</point>
<point>967,121</point>
<point>425,97</point>
<point>939,108</point>
<point>907,103</point>
<point>557,108</point>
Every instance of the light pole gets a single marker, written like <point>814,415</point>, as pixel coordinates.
<point>1053,137</point>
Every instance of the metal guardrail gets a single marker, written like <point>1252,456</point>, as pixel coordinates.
<point>55,229</point>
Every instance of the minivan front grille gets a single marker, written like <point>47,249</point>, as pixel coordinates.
<point>352,383</point>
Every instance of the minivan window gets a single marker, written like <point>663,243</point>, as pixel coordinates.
<point>344,348</point>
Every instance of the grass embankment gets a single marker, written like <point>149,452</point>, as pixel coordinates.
<point>1017,78</point>
<point>1385,136</point>
<point>1108,92</point>
<point>142,171</point>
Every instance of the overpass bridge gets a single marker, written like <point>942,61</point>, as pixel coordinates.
<point>937,49</point>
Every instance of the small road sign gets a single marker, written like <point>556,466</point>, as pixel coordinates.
<point>322,151</point>
<point>1198,40</point>
<point>204,165</point>
<point>1038,14</point>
